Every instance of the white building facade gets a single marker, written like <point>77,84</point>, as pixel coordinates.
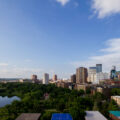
<point>102,76</point>
<point>46,78</point>
<point>95,77</point>
<point>92,75</point>
<point>116,99</point>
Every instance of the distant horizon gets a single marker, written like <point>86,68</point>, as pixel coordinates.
<point>51,74</point>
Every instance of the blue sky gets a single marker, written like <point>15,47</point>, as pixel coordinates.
<point>56,36</point>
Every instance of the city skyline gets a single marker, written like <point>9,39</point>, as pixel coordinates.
<point>58,36</point>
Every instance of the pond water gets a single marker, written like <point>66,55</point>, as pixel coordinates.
<point>7,100</point>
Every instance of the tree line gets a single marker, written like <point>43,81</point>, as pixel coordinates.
<point>60,100</point>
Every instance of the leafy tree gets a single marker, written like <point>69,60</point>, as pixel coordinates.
<point>77,113</point>
<point>112,106</point>
<point>115,91</point>
<point>61,105</point>
<point>46,116</point>
<point>95,107</point>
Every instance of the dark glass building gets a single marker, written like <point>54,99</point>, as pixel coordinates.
<point>98,68</point>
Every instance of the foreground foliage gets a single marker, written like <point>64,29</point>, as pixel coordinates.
<point>60,100</point>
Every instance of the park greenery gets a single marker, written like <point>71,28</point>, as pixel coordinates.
<point>60,100</point>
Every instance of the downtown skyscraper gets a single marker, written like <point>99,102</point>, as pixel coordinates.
<point>81,75</point>
<point>98,68</point>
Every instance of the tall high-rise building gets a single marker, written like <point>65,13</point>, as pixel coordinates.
<point>98,68</point>
<point>81,75</point>
<point>54,77</point>
<point>92,75</point>
<point>46,78</point>
<point>113,67</point>
<point>113,73</point>
<point>73,78</point>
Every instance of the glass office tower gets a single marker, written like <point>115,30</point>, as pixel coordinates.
<point>98,68</point>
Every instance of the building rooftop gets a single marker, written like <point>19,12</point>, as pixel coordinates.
<point>92,68</point>
<point>116,96</point>
<point>61,116</point>
<point>115,113</point>
<point>29,116</point>
<point>94,115</point>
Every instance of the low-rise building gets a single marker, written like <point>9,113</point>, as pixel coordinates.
<point>61,116</point>
<point>94,115</point>
<point>25,80</point>
<point>62,84</point>
<point>105,90</point>
<point>114,115</point>
<point>116,99</point>
<point>46,96</point>
<point>82,86</point>
<point>71,86</point>
<point>113,82</point>
<point>29,116</point>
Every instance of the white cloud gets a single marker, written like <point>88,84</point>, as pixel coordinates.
<point>113,45</point>
<point>63,2</point>
<point>3,64</point>
<point>106,7</point>
<point>110,57</point>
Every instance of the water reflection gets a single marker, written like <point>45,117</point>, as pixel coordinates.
<point>7,100</point>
